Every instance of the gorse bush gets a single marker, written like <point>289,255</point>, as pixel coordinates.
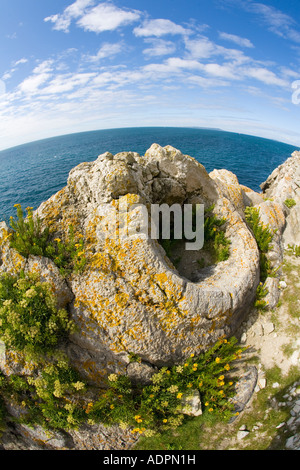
<point>29,318</point>
<point>29,238</point>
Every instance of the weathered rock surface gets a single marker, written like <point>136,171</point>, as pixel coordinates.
<point>283,184</point>
<point>131,299</point>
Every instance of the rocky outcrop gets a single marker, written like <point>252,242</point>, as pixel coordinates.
<point>284,184</point>
<point>131,299</point>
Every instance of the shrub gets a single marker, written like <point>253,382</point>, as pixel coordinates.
<point>29,238</point>
<point>29,318</point>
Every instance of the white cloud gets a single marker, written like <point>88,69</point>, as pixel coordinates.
<point>243,42</point>
<point>107,17</point>
<point>63,21</point>
<point>20,61</point>
<point>266,76</point>
<point>200,48</point>
<point>31,84</point>
<point>159,47</point>
<point>158,28</point>
<point>106,50</point>
<point>99,18</point>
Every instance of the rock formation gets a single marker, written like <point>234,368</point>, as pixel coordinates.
<point>131,299</point>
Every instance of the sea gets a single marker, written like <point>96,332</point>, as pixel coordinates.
<point>31,173</point>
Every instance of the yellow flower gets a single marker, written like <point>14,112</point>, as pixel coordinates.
<point>185,365</point>
<point>200,383</point>
<point>112,407</point>
<point>227,367</point>
<point>206,404</point>
<point>192,355</point>
<point>58,240</point>
<point>221,392</point>
<point>179,395</point>
<point>230,383</point>
<point>210,410</point>
<point>81,253</point>
<point>221,377</point>
<point>218,359</point>
<point>165,420</point>
<point>190,385</point>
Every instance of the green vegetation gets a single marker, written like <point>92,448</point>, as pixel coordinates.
<point>29,238</point>
<point>294,250</point>
<point>55,397</point>
<point>29,319</point>
<point>263,236</point>
<point>215,241</point>
<point>290,203</point>
<point>261,293</point>
<point>214,236</point>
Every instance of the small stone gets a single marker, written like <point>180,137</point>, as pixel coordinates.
<point>261,383</point>
<point>280,425</point>
<point>243,338</point>
<point>282,284</point>
<point>242,434</point>
<point>275,385</point>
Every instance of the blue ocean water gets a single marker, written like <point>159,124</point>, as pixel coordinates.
<point>31,173</point>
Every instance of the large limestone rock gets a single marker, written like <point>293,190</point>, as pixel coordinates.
<point>130,299</point>
<point>283,184</point>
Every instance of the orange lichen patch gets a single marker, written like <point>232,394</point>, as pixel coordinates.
<point>58,213</point>
<point>274,215</point>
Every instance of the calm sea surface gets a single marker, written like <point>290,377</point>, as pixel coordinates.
<point>31,173</point>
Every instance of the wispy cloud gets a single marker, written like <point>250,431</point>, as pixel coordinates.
<point>159,47</point>
<point>243,42</point>
<point>107,50</point>
<point>274,19</point>
<point>159,27</point>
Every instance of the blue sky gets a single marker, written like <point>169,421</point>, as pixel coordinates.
<point>70,66</point>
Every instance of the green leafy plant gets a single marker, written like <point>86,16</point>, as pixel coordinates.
<point>290,203</point>
<point>261,293</point>
<point>214,236</point>
<point>294,250</point>
<point>263,236</point>
<point>29,238</point>
<point>29,318</point>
